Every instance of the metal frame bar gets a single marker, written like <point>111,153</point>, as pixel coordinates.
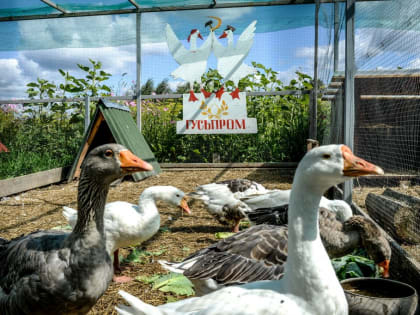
<point>314,94</point>
<point>134,3</point>
<point>172,8</point>
<point>143,97</point>
<point>55,6</point>
<point>348,112</point>
<point>390,97</point>
<point>138,69</point>
<point>336,34</point>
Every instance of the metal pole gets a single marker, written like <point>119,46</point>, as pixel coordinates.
<point>336,34</point>
<point>138,69</point>
<point>349,89</point>
<point>314,94</point>
<point>87,112</point>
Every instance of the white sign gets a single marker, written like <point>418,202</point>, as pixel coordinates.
<point>215,116</point>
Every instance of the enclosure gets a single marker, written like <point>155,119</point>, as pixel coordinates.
<point>331,71</point>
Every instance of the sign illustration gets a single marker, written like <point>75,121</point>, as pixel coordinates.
<point>219,112</point>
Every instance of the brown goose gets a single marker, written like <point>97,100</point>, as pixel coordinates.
<point>53,272</point>
<point>259,253</point>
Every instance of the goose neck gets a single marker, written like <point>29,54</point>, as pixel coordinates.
<point>91,201</point>
<point>230,39</point>
<point>193,42</point>
<point>147,200</point>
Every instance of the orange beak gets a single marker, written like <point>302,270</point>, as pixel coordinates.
<point>184,206</point>
<point>224,35</point>
<point>385,266</point>
<point>355,166</point>
<point>131,163</point>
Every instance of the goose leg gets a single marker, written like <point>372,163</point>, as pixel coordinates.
<point>117,270</point>
<point>235,228</point>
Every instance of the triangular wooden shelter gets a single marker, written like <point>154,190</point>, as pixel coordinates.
<point>112,123</point>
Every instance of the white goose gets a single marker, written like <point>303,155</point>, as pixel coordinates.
<point>230,58</point>
<point>277,197</point>
<point>193,62</point>
<point>309,285</point>
<point>259,252</point>
<point>127,224</point>
<point>222,199</point>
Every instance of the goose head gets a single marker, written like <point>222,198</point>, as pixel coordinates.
<point>194,33</point>
<point>329,165</point>
<point>341,209</point>
<point>108,162</point>
<point>176,198</point>
<point>228,32</point>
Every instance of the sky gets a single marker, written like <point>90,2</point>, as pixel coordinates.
<point>284,41</point>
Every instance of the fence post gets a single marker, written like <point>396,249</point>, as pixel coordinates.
<point>349,90</point>
<point>87,112</point>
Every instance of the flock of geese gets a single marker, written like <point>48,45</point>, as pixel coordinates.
<point>280,265</point>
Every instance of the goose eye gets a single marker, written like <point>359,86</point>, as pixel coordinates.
<point>108,153</point>
<point>177,195</point>
<point>326,156</point>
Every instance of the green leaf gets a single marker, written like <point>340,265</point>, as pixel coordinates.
<point>32,84</point>
<point>220,235</point>
<point>146,279</point>
<point>175,283</point>
<point>62,227</point>
<point>84,68</point>
<point>170,299</point>
<point>172,282</point>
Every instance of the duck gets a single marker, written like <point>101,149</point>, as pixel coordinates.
<point>193,62</point>
<point>277,198</point>
<point>222,199</point>
<point>230,58</point>
<point>309,284</point>
<point>127,224</point>
<point>260,252</point>
<point>56,272</point>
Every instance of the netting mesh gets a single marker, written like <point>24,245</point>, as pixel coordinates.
<point>387,124</point>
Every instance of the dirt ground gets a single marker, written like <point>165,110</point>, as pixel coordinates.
<point>179,236</point>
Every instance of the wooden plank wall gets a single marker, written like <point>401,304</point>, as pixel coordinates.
<point>23,183</point>
<point>27,182</point>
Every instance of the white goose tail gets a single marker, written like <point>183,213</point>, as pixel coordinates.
<point>137,307</point>
<point>179,267</point>
<point>71,215</point>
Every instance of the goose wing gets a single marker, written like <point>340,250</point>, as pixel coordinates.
<point>271,215</point>
<point>246,39</point>
<point>27,261</point>
<point>242,187</point>
<point>257,253</point>
<point>177,49</point>
<point>272,198</point>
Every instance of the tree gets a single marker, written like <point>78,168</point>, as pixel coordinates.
<point>148,87</point>
<point>163,87</point>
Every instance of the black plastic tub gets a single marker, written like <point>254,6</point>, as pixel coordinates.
<point>373,296</point>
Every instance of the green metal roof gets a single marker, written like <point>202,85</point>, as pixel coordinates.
<point>124,131</point>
